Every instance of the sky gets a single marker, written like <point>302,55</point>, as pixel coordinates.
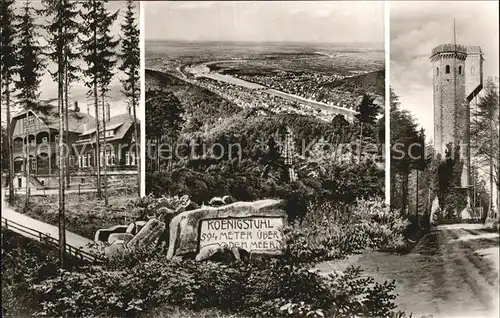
<point>276,21</point>
<point>416,28</point>
<point>48,87</point>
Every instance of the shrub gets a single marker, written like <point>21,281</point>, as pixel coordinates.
<point>330,231</point>
<point>265,289</point>
<point>24,263</point>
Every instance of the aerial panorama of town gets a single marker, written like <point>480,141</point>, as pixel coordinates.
<point>303,78</point>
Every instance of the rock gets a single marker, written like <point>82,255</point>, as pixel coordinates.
<point>216,201</point>
<point>124,237</point>
<point>227,199</point>
<point>191,206</point>
<point>116,250</point>
<point>102,235</point>
<point>185,227</point>
<point>164,210</point>
<point>131,229</point>
<point>147,235</point>
<point>138,226</point>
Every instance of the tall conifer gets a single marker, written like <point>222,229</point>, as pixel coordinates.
<point>130,64</point>
<point>7,65</point>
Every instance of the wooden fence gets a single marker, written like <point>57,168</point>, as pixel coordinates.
<point>49,240</point>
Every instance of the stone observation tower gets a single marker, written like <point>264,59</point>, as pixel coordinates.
<point>457,79</point>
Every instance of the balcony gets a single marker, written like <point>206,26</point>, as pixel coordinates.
<point>47,147</point>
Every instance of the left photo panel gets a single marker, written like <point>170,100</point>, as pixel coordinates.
<point>70,95</point>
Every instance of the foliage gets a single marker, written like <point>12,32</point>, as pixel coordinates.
<point>30,64</point>
<point>254,289</point>
<point>331,231</point>
<point>404,134</point>
<point>485,134</point>
<point>245,182</point>
<point>23,263</point>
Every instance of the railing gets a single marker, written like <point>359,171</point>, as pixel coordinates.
<point>49,240</point>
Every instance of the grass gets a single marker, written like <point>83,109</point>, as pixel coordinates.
<point>85,214</point>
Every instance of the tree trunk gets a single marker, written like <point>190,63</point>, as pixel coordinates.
<point>492,140</point>
<point>137,143</point>
<point>96,107</point>
<point>404,193</point>
<point>360,142</point>
<point>27,167</point>
<point>66,115</point>
<point>157,153</point>
<point>62,218</point>
<point>10,147</point>
<point>105,166</point>
<point>416,203</point>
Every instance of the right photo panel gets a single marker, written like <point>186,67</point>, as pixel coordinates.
<point>444,135</point>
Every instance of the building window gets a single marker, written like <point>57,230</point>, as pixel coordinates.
<point>79,161</point>
<point>447,69</point>
<point>132,158</point>
<point>89,160</point>
<point>460,70</point>
<point>30,121</point>
<point>101,159</point>
<point>84,161</point>
<point>127,159</point>
<point>71,161</point>
<point>437,70</point>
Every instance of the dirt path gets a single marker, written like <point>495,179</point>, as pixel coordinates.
<point>452,272</point>
<point>72,239</point>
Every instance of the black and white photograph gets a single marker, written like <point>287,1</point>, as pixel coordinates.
<point>445,153</point>
<point>265,135</point>
<point>250,158</point>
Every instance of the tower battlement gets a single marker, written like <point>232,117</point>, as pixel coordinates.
<point>449,48</point>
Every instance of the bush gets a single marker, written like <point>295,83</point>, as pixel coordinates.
<point>266,289</point>
<point>24,263</point>
<point>330,231</point>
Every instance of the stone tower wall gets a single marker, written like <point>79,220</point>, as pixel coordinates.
<point>449,90</point>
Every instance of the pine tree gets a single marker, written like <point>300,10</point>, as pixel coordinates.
<point>62,32</point>
<point>130,56</point>
<point>29,67</point>
<point>403,135</point>
<point>366,118</point>
<point>485,138</point>
<point>97,48</point>
<point>7,64</point>
<point>107,58</point>
<point>165,118</point>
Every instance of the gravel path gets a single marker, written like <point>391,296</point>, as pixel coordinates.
<point>452,272</point>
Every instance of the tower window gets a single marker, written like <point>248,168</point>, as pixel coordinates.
<point>437,70</point>
<point>459,70</point>
<point>447,69</point>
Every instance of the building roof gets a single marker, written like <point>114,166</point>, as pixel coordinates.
<point>48,114</point>
<point>449,48</point>
<point>119,123</point>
